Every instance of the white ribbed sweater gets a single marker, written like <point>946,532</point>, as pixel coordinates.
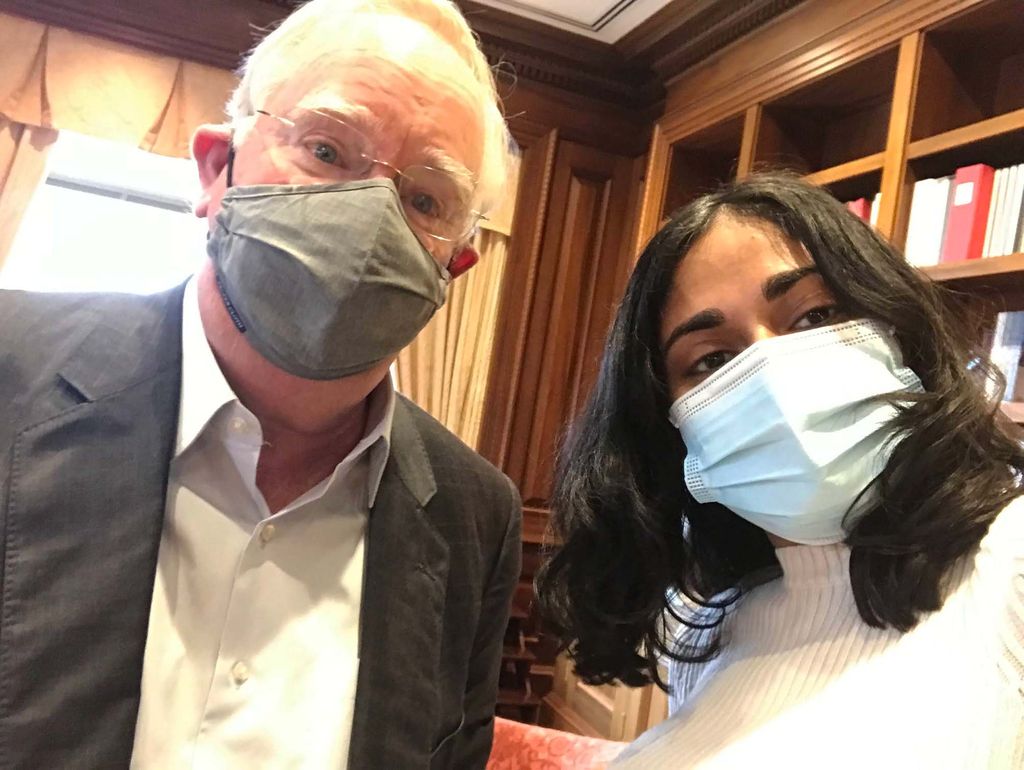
<point>803,682</point>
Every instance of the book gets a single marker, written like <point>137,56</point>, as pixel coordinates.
<point>1008,224</point>
<point>1007,347</point>
<point>998,183</point>
<point>1018,246</point>
<point>860,207</point>
<point>943,201</point>
<point>968,214</point>
<point>1013,210</point>
<point>921,215</point>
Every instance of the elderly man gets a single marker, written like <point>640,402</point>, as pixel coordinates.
<point>226,542</point>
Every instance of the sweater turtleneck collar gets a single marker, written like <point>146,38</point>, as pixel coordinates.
<point>814,565</point>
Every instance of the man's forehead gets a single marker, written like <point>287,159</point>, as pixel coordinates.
<point>385,44</point>
<point>385,97</point>
<point>364,82</point>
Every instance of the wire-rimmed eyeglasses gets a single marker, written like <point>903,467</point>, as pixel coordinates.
<point>436,202</point>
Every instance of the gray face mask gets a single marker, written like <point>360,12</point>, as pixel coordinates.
<point>324,280</point>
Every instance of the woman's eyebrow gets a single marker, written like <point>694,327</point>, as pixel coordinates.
<point>705,319</point>
<point>780,283</point>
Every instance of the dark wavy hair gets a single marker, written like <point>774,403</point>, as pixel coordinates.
<point>630,533</point>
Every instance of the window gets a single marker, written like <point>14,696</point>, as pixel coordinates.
<point>109,217</point>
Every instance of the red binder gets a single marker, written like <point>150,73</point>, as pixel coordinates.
<point>968,213</point>
<point>861,207</point>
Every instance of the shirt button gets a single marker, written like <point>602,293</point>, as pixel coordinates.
<point>238,425</point>
<point>240,673</point>
<point>267,533</point>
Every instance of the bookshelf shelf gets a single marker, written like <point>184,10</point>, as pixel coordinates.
<point>992,273</point>
<point>701,162</point>
<point>914,116</point>
<point>993,284</point>
<point>1014,410</point>
<point>834,127</point>
<point>845,171</point>
<point>1007,124</point>
<point>971,69</point>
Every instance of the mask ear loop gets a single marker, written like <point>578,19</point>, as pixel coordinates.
<point>231,161</point>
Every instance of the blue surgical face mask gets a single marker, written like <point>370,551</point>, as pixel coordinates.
<point>791,432</point>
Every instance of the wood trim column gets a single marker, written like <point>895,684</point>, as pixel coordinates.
<point>537,144</point>
<point>655,184</point>
<point>896,186</point>
<point>748,145</point>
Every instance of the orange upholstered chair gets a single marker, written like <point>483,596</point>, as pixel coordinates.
<point>518,746</point>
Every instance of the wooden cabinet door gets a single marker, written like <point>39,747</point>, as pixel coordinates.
<point>555,322</point>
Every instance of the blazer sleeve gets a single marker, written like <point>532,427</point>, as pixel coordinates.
<point>473,741</point>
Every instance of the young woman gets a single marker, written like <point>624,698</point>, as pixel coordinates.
<point>790,484</point>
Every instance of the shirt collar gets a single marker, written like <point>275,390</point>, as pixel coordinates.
<point>203,387</point>
<point>379,419</point>
<point>204,390</point>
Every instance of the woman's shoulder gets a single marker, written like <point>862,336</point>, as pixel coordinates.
<point>1012,514</point>
<point>998,587</point>
<point>1004,541</point>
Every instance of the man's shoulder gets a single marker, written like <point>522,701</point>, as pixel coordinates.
<point>41,332</point>
<point>28,316</point>
<point>454,464</point>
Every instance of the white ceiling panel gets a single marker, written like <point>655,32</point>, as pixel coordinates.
<point>605,20</point>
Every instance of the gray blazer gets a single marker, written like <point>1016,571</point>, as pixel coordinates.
<point>89,388</point>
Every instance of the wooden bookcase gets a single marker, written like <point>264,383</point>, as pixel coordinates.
<point>947,92</point>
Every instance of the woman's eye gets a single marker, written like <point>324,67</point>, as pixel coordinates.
<point>819,316</point>
<point>710,363</point>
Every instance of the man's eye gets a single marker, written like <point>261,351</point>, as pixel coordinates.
<point>819,316</point>
<point>426,205</point>
<point>324,153</point>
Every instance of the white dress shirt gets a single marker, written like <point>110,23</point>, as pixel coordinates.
<point>252,650</point>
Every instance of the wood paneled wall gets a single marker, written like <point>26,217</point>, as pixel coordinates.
<point>571,247</point>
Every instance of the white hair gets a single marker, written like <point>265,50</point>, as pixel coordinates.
<point>317,30</point>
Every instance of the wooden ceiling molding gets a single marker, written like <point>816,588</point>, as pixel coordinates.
<point>633,71</point>
<point>630,74</point>
<point>688,31</point>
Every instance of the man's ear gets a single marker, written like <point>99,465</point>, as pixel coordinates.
<point>463,261</point>
<point>210,145</point>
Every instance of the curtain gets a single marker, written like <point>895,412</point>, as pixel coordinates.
<point>445,370</point>
<point>56,78</point>
<point>52,78</point>
<point>23,151</point>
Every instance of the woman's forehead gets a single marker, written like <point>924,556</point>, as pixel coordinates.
<point>737,249</point>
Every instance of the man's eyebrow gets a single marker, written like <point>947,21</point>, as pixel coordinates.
<point>437,158</point>
<point>779,284</point>
<point>355,115</point>
<point>705,319</point>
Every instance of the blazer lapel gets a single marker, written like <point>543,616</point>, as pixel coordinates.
<point>81,531</point>
<point>401,613</point>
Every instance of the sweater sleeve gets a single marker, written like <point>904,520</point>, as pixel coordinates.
<point>1001,566</point>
